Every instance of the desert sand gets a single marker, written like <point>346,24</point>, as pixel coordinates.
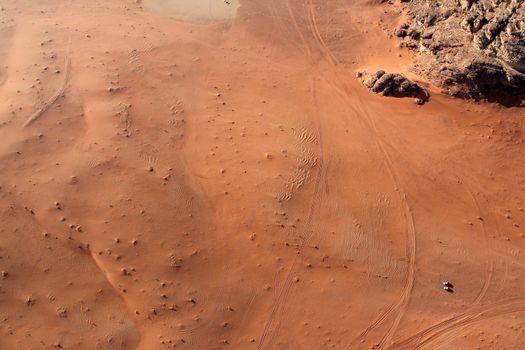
<point>179,181</point>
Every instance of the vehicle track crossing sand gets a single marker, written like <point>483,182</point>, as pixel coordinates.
<point>54,98</point>
<point>272,325</point>
<point>231,184</point>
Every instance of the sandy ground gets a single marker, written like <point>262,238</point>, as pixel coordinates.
<point>231,185</point>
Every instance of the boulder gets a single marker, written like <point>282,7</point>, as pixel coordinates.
<point>396,85</point>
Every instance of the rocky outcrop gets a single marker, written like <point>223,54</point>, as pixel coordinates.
<point>396,85</point>
<point>472,48</point>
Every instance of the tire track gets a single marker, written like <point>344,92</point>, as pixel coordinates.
<point>490,269</point>
<point>400,306</point>
<point>490,272</point>
<point>278,26</point>
<point>61,89</point>
<point>272,325</point>
<point>316,34</point>
<point>488,247</point>
<point>59,92</point>
<point>433,333</point>
<point>246,312</point>
<point>298,29</point>
<point>488,281</point>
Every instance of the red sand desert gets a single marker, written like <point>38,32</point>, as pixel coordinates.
<point>172,180</point>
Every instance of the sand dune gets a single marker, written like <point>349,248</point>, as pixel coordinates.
<point>170,183</point>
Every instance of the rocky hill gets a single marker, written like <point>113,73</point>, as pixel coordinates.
<point>472,48</point>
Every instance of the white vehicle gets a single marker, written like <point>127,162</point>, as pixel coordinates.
<point>448,287</point>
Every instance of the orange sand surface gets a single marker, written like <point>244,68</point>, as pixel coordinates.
<point>230,184</point>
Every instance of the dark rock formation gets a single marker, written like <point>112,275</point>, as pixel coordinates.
<point>396,85</point>
<point>472,48</point>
